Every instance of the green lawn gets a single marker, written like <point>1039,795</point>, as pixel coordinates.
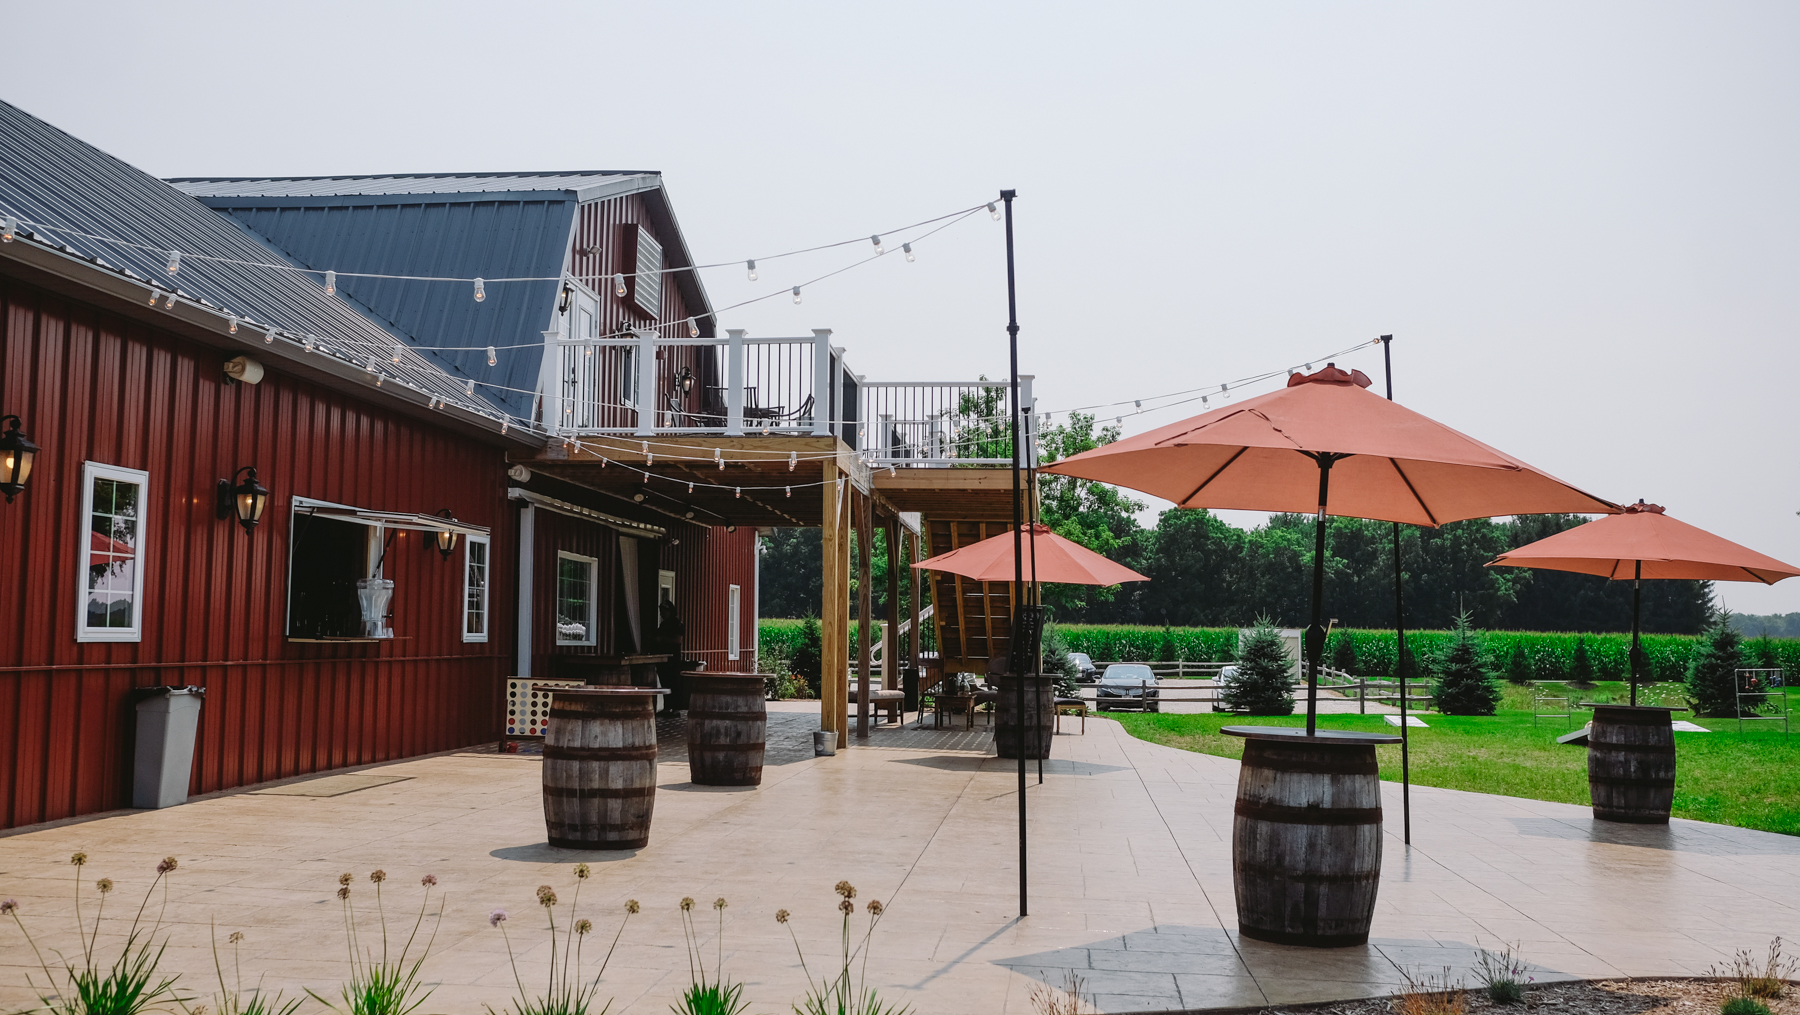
<point>1751,780</point>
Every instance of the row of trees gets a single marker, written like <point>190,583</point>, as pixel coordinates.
<point>1206,573</point>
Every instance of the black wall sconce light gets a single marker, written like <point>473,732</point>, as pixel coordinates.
<point>446,540</point>
<point>16,455</point>
<point>684,383</point>
<point>243,501</point>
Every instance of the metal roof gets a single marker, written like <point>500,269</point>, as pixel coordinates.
<point>73,197</point>
<point>601,182</point>
<point>450,225</point>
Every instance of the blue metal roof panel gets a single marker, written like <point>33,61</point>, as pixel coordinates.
<point>64,188</point>
<point>410,183</point>
<point>454,239</point>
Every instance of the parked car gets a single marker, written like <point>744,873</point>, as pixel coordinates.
<point>1127,685</point>
<point>1089,673</point>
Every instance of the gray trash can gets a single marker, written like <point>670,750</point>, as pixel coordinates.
<point>168,718</point>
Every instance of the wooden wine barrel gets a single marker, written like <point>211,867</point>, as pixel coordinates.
<point>600,767</point>
<point>727,725</point>
<point>1306,841</point>
<point>1631,763</point>
<point>1040,716</point>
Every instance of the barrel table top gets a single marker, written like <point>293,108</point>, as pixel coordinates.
<point>715,673</point>
<point>608,691</point>
<point>1634,708</point>
<point>1290,734</point>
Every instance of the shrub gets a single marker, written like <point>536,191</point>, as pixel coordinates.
<point>1432,995</point>
<point>1581,670</point>
<point>1343,654</point>
<point>808,662</point>
<point>1743,1006</point>
<point>1712,677</point>
<point>1464,685</point>
<point>1264,682</point>
<point>1058,664</point>
<point>1765,979</point>
<point>1503,974</point>
<point>1518,665</point>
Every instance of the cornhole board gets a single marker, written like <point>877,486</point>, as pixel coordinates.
<point>1411,721</point>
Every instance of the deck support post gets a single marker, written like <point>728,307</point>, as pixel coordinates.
<point>865,530</point>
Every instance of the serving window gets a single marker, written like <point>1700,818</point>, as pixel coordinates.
<point>336,589</point>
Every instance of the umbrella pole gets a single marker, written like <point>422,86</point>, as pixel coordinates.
<point>1387,365</point>
<point>1315,634</point>
<point>1637,604</point>
<point>1012,336</point>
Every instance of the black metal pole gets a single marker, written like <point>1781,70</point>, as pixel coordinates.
<point>1315,634</point>
<point>1387,365</point>
<point>1637,605</point>
<point>1018,597</point>
<point>1037,589</point>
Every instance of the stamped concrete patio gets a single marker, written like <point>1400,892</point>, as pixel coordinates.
<point>1130,879</point>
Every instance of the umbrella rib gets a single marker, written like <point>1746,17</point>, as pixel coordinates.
<point>1203,485</point>
<point>1753,574</point>
<point>1414,491</point>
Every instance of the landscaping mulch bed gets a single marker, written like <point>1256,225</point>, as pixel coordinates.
<point>1598,997</point>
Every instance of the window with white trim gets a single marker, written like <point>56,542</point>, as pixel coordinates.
<point>475,588</point>
<point>112,575</point>
<point>575,606</point>
<point>733,599</point>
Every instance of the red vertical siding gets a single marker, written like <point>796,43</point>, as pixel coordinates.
<point>551,534</point>
<point>706,563</point>
<point>91,386</point>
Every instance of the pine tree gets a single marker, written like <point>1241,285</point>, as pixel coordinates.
<point>1343,654</point>
<point>1264,681</point>
<point>1581,671</point>
<point>1059,665</point>
<point>1518,665</point>
<point>1712,676</point>
<point>1464,685</point>
<point>808,660</point>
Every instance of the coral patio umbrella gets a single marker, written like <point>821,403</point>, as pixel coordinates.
<point>1324,444</point>
<point>1643,542</point>
<point>1053,559</point>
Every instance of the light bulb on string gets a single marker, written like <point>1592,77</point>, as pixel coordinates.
<point>1139,403</point>
<point>790,491</point>
<point>649,456</point>
<point>154,296</point>
<point>1309,368</point>
<point>765,428</point>
<point>796,294</point>
<point>378,378</point>
<point>269,337</point>
<point>749,267</point>
<point>793,458</point>
<point>737,491</point>
<point>993,211</point>
<point>331,283</point>
<point>505,423</point>
<point>879,249</point>
<point>174,261</point>
<point>720,458</point>
<point>371,366</point>
<point>492,358</point>
<point>232,326</point>
<point>618,285</point>
<point>907,249</point>
<point>693,328</point>
<point>9,227</point>
<point>690,488</point>
<point>311,339</point>
<point>170,305</point>
<point>480,290</point>
<point>397,348</point>
<point>469,387</point>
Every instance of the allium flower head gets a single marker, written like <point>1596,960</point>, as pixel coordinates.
<point>875,908</point>
<point>781,916</point>
<point>378,876</point>
<point>719,903</point>
<point>846,889</point>
<point>428,880</point>
<point>167,865</point>
<point>237,937</point>
<point>8,905</point>
<point>846,906</point>
<point>104,884</point>
<point>583,926</point>
<point>582,871</point>
<point>78,858</point>
<point>344,892</point>
<point>687,905</point>
<point>631,906</point>
<point>546,896</point>
<point>344,879</point>
<point>496,918</point>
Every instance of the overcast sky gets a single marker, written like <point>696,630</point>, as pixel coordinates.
<point>1579,220</point>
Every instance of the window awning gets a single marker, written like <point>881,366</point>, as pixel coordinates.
<point>388,519</point>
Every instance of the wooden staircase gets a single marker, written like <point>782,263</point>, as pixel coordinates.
<point>973,619</point>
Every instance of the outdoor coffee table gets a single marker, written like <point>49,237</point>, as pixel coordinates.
<point>950,704</point>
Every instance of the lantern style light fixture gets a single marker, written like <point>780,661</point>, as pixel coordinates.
<point>684,382</point>
<point>16,455</point>
<point>243,500</point>
<point>446,540</point>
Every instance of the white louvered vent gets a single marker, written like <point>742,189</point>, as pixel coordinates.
<point>648,290</point>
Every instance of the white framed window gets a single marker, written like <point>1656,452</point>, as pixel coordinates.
<point>475,589</point>
<point>665,588</point>
<point>113,503</point>
<point>575,607</point>
<point>733,599</point>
